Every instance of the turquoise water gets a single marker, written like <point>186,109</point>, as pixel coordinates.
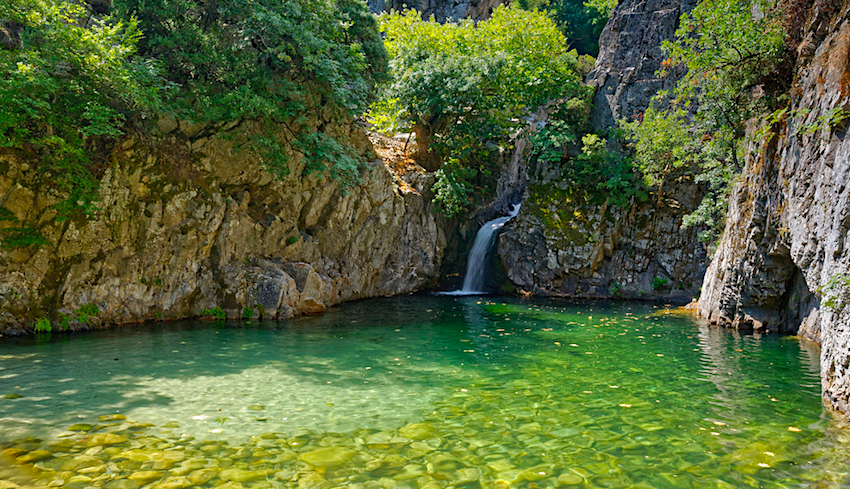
<point>424,392</point>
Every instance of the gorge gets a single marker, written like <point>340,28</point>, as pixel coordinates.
<point>192,225</point>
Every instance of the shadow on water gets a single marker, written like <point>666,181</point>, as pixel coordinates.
<point>539,381</point>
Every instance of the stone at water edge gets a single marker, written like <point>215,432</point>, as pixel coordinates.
<point>12,396</point>
<point>242,475</point>
<point>570,479</point>
<point>121,484</point>
<point>12,453</point>
<point>327,457</point>
<point>80,427</point>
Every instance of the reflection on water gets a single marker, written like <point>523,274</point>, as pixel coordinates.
<point>423,392</point>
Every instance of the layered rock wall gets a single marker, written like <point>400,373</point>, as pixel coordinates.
<point>190,223</point>
<point>785,246</point>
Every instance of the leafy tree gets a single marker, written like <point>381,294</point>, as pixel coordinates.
<point>663,145</point>
<point>270,61</point>
<point>463,86</point>
<point>65,88</point>
<point>580,22</point>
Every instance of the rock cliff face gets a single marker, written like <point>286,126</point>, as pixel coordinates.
<point>629,57</point>
<point>786,234</point>
<point>442,10</point>
<point>190,223</point>
<point>563,243</point>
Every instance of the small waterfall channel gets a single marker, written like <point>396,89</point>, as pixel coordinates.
<point>473,282</point>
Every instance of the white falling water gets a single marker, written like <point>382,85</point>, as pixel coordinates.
<point>473,282</point>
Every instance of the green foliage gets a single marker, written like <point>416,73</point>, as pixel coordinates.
<point>84,314</point>
<point>834,291</point>
<point>596,169</point>
<point>452,188</point>
<point>614,289</point>
<point>659,283</point>
<point>248,313</point>
<point>66,87</point>
<point>42,325</point>
<point>216,312</point>
<point>731,50</point>
<point>291,240</point>
<point>465,88</point>
<point>270,61</point>
<point>663,144</point>
<point>580,22</point>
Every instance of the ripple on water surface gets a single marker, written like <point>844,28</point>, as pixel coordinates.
<point>423,392</point>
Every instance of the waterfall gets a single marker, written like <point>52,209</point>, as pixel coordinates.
<point>473,282</point>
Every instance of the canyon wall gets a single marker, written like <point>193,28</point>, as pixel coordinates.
<point>783,260</point>
<point>442,10</point>
<point>565,243</point>
<point>189,225</point>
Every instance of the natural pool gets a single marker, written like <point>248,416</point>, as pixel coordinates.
<point>422,392</point>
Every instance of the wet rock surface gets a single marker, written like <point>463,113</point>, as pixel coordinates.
<point>565,244</point>
<point>193,225</point>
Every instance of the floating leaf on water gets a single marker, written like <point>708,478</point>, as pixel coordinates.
<point>794,429</point>
<point>256,407</point>
<point>13,395</point>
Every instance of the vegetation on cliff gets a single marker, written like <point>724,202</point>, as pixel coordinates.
<point>71,80</point>
<point>732,51</point>
<point>466,88</point>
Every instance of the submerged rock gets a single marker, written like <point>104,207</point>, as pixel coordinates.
<point>327,457</point>
<point>100,439</point>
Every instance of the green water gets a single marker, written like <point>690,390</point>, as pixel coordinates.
<point>424,392</point>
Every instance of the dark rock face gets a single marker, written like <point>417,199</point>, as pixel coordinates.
<point>629,57</point>
<point>789,219</point>
<point>566,244</point>
<point>442,10</point>
<point>561,244</point>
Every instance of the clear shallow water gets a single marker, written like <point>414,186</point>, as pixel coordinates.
<point>428,392</point>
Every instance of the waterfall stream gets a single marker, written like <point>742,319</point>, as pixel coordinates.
<point>473,282</point>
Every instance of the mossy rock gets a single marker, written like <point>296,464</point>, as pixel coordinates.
<point>101,439</point>
<point>80,427</point>
<point>33,457</point>
<point>327,457</point>
<point>419,431</point>
<point>145,476</point>
<point>12,396</point>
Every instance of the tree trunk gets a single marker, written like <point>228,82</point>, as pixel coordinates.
<point>423,154</point>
